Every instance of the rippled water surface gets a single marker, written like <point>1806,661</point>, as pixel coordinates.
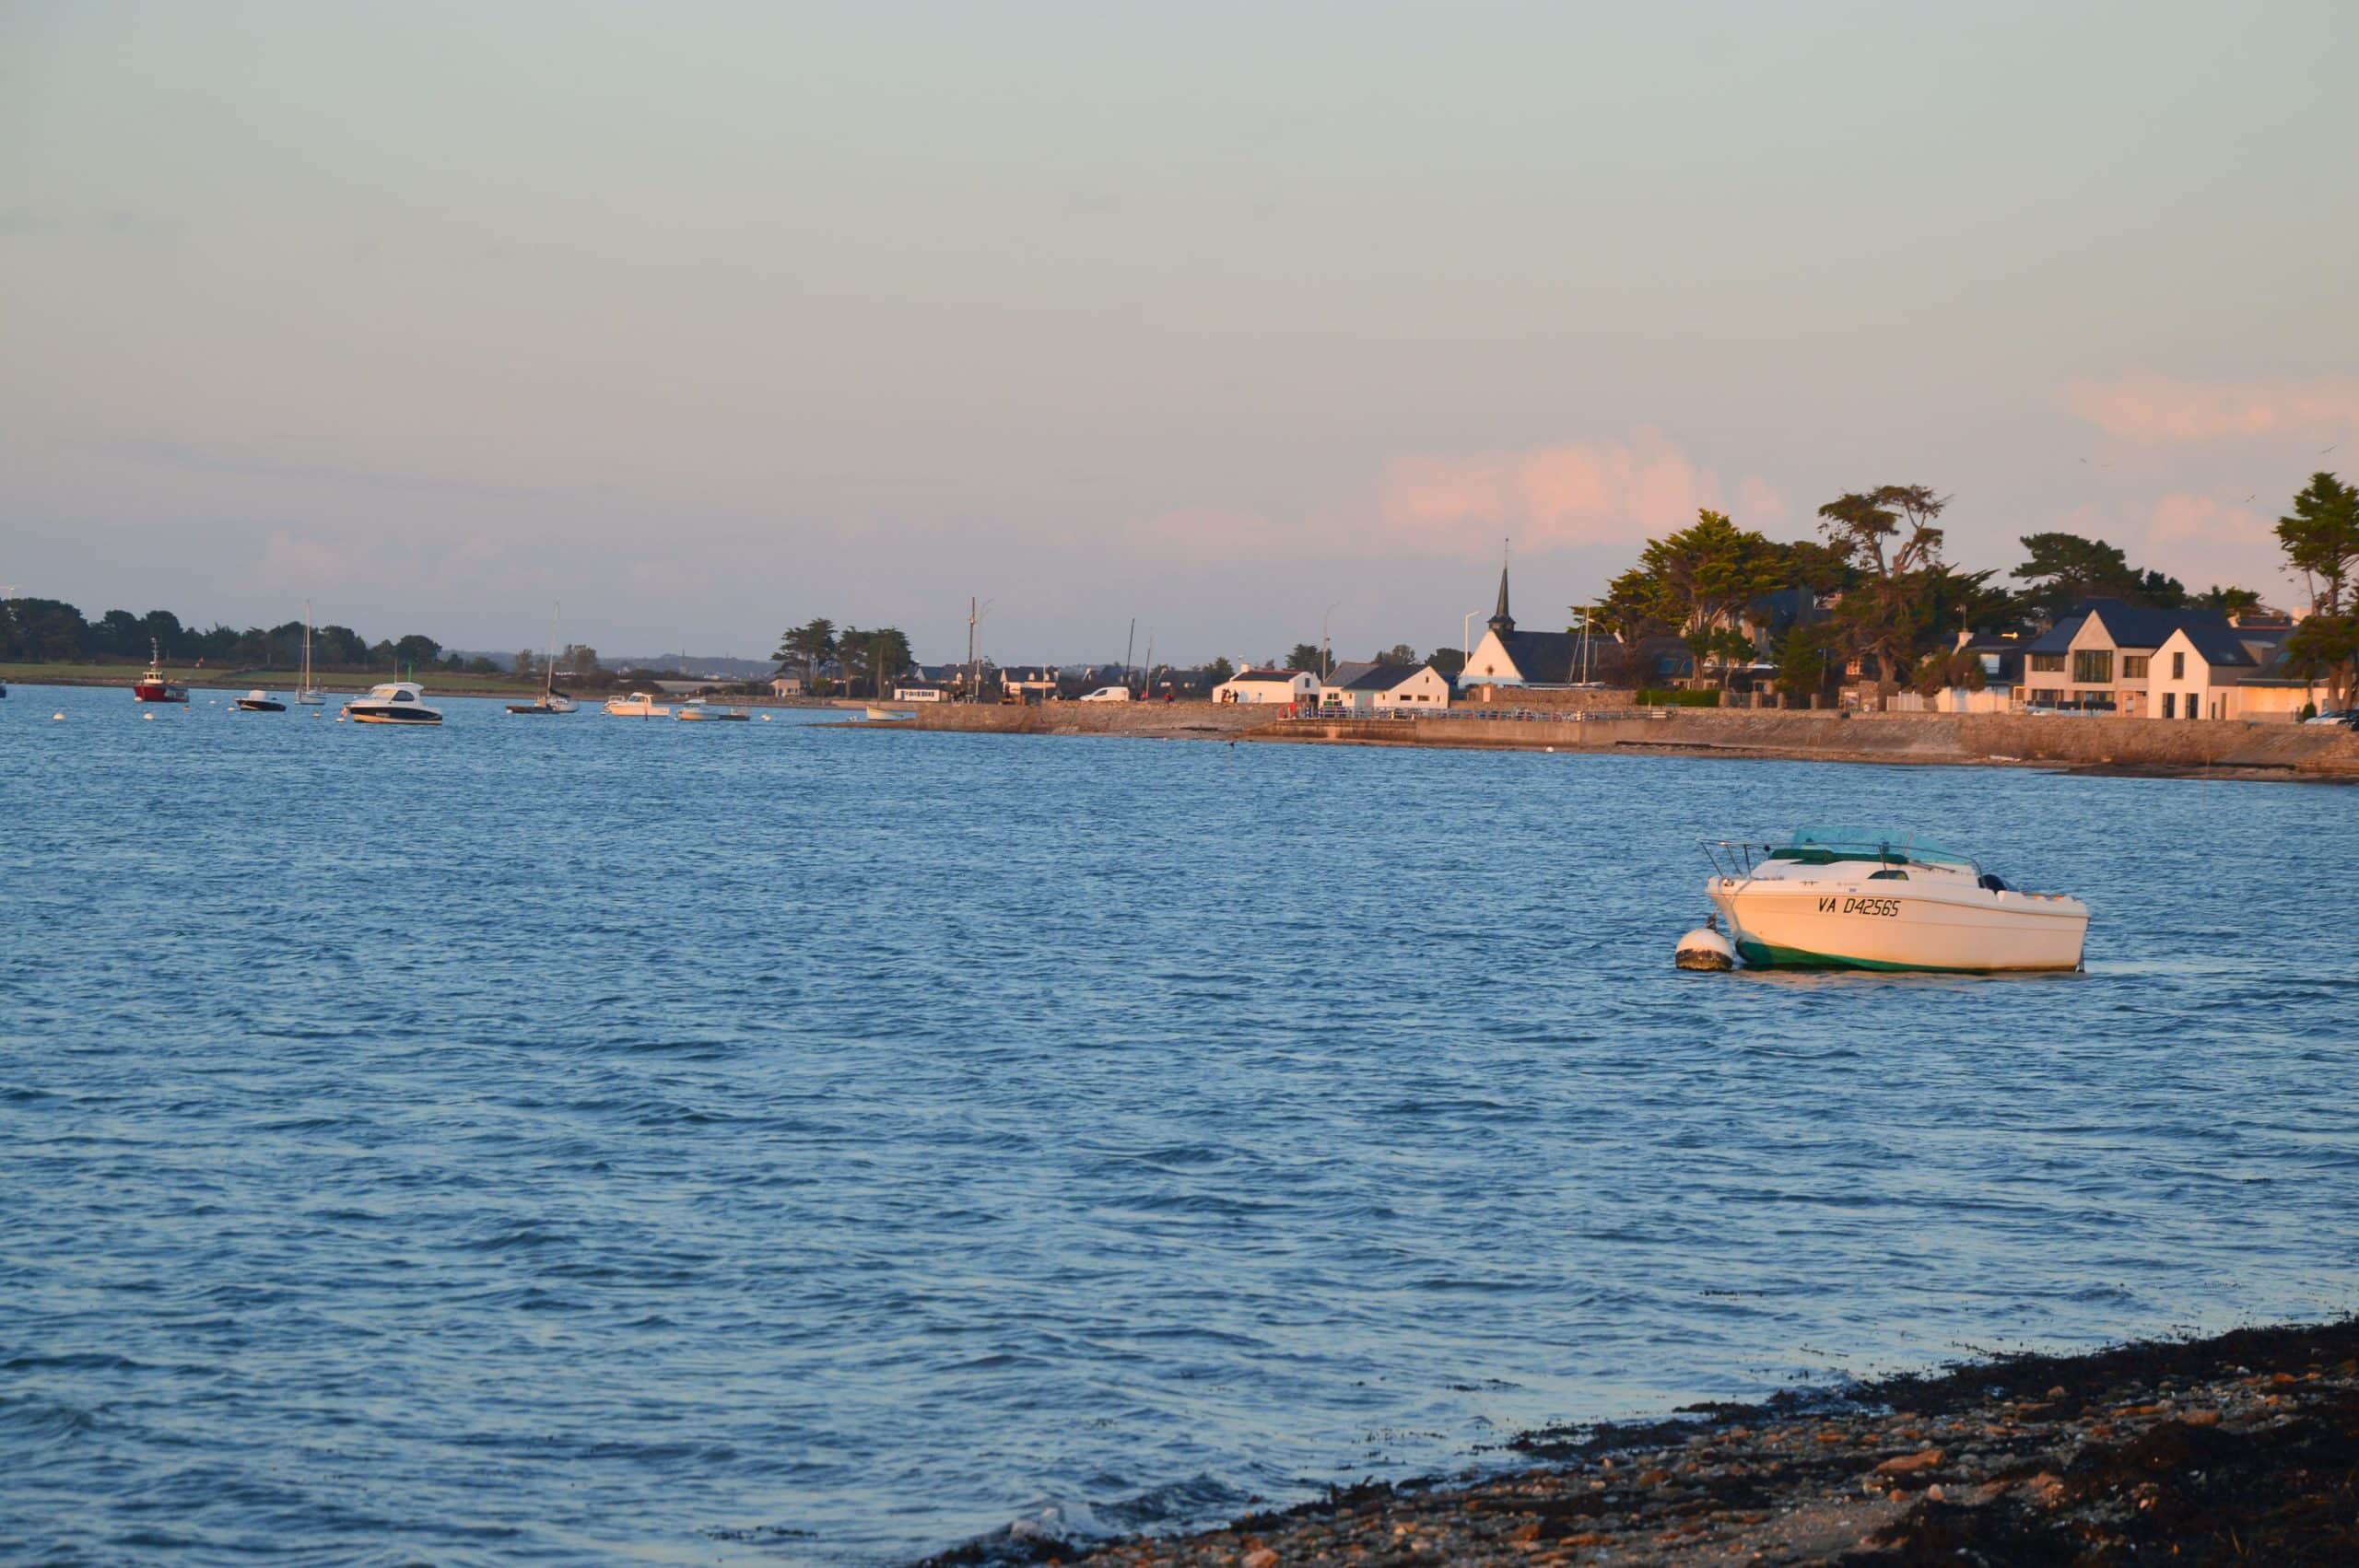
<point>581,1138</point>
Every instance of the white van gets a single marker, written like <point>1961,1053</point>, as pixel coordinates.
<point>1109,694</point>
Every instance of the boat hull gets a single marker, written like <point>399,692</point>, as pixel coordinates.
<point>253,704</point>
<point>410,720</point>
<point>1880,925</point>
<point>160,691</point>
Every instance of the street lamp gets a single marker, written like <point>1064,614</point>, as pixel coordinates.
<point>1326,660</point>
<point>1466,637</point>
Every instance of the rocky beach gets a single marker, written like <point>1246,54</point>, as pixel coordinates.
<point>2241,1447</point>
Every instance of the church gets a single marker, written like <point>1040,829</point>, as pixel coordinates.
<point>1510,658</point>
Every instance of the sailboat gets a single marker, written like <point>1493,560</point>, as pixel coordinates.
<point>304,695</point>
<point>552,700</point>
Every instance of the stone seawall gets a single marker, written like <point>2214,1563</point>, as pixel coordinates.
<point>1999,738</point>
<point>1165,720</point>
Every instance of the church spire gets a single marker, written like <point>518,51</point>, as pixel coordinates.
<point>1501,622</point>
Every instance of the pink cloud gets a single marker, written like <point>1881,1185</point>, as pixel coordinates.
<point>2165,408</point>
<point>1553,497</point>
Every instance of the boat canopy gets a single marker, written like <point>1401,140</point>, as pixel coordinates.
<point>1823,846</point>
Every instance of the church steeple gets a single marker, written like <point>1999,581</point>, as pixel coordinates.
<point>1501,622</point>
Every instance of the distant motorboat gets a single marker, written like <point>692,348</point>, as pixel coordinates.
<point>698,710</point>
<point>888,714</point>
<point>638,705</point>
<point>260,702</point>
<point>152,686</point>
<point>394,702</point>
<point>1830,898</point>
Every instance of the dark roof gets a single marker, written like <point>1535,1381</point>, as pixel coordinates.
<point>1361,675</point>
<point>2138,626</point>
<point>1270,675</point>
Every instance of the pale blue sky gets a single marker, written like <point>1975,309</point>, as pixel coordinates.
<point>710,318</point>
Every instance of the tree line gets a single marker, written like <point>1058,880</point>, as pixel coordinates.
<point>860,662</point>
<point>50,631</point>
<point>1897,601</point>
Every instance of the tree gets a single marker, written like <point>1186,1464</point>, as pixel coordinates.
<point>2228,600</point>
<point>1400,656</point>
<point>1805,658</point>
<point>2321,536</point>
<point>1216,672</point>
<point>1448,660</point>
<point>1891,539</point>
<point>1699,580</point>
<point>810,644</point>
<point>2062,570</point>
<point>415,649</point>
<point>1304,657</point>
<point>580,658</point>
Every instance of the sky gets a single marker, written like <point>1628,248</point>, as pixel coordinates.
<point>701,320</point>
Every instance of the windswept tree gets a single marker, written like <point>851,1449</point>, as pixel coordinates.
<point>810,645</point>
<point>1448,660</point>
<point>1218,671</point>
<point>1891,538</point>
<point>2321,536</point>
<point>1400,656</point>
<point>2227,600</point>
<point>1304,657</point>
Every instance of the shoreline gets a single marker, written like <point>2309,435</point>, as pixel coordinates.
<point>2095,748</point>
<point>2241,1445</point>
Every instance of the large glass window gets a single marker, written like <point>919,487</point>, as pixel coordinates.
<point>2048,663</point>
<point>2170,699</point>
<point>2134,666</point>
<point>2094,664</point>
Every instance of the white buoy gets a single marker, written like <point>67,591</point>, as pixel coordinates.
<point>1706,948</point>
<point>58,718</point>
<point>150,717</point>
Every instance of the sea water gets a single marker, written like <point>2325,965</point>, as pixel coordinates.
<point>579,1140</point>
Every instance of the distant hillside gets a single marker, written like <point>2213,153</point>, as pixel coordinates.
<point>669,663</point>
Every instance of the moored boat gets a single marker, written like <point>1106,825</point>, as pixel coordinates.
<point>698,710</point>
<point>152,686</point>
<point>638,704</point>
<point>552,700</point>
<point>889,715</point>
<point>394,702</point>
<point>260,702</point>
<point>1845,899</point>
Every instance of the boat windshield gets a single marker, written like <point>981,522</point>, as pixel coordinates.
<point>1823,846</point>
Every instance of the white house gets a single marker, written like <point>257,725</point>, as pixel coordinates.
<point>1372,688</point>
<point>2209,678</point>
<point>786,685</point>
<point>1279,687</point>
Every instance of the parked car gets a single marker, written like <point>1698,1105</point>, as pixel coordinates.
<point>2343,717</point>
<point>1109,694</point>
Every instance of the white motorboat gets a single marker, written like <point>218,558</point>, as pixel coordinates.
<point>698,710</point>
<point>890,715</point>
<point>638,705</point>
<point>1845,899</point>
<point>394,702</point>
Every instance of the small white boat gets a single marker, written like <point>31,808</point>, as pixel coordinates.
<point>698,710</point>
<point>638,705</point>
<point>887,714</point>
<point>394,702</point>
<point>1844,899</point>
<point>551,700</point>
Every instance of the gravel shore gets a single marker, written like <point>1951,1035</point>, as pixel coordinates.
<point>2242,1448</point>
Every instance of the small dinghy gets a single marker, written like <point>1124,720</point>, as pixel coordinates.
<point>260,702</point>
<point>1845,899</point>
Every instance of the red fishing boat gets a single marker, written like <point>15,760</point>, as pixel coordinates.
<point>152,686</point>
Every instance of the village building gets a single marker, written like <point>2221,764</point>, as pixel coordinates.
<point>920,693</point>
<point>1378,688</point>
<point>786,685</point>
<point>2139,662</point>
<point>1507,656</point>
<point>1280,686</point>
<point>1026,685</point>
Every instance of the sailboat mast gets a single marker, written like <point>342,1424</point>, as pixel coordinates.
<point>307,650</point>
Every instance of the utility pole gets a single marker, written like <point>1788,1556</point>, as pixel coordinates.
<point>970,647</point>
<point>1129,648</point>
<point>1147,672</point>
<point>1326,657</point>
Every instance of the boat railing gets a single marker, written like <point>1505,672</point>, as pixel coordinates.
<point>1734,858</point>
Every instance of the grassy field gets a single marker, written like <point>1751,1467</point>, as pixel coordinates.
<point>446,682</point>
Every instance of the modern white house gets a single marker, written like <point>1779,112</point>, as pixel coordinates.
<point>1384,688</point>
<point>1279,687</point>
<point>2138,662</point>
